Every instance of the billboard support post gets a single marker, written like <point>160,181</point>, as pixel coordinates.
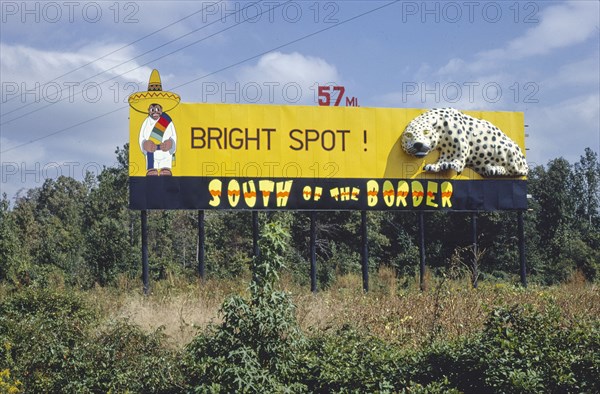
<point>364,251</point>
<point>474,268</point>
<point>200,246</point>
<point>422,251</point>
<point>313,251</point>
<point>523,265</point>
<point>145,267</point>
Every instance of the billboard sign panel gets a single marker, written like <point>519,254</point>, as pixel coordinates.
<point>242,156</point>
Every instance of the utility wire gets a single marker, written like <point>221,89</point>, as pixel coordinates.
<point>143,64</point>
<point>63,130</point>
<point>129,60</point>
<point>288,43</point>
<point>214,72</point>
<point>114,51</point>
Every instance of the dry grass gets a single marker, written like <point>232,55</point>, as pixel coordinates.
<point>177,307</point>
<point>392,310</point>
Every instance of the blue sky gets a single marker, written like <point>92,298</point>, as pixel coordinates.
<point>538,57</point>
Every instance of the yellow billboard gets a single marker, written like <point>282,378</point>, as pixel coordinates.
<point>276,141</point>
<point>232,156</point>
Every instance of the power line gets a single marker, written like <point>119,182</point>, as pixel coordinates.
<point>115,51</point>
<point>143,64</point>
<point>288,43</point>
<point>217,71</point>
<point>63,130</point>
<point>129,60</point>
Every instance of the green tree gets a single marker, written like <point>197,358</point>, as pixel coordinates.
<point>228,242</point>
<point>60,209</point>
<point>110,235</point>
<point>586,178</point>
<point>49,223</point>
<point>552,191</point>
<point>10,248</point>
<point>566,208</point>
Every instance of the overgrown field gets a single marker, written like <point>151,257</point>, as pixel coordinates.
<point>275,336</point>
<point>394,310</point>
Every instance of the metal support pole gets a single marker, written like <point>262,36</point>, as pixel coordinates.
<point>475,268</point>
<point>522,261</point>
<point>313,251</point>
<point>255,231</point>
<point>145,267</point>
<point>365,251</point>
<point>422,251</point>
<point>200,246</point>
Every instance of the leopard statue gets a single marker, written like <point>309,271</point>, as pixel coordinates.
<point>463,141</point>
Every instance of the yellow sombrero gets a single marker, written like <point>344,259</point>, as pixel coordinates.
<point>140,101</point>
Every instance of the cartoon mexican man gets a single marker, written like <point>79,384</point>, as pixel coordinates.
<point>157,139</point>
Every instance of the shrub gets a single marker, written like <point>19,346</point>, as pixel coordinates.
<point>521,350</point>
<point>254,348</point>
<point>51,344</point>
<point>123,358</point>
<point>347,361</point>
<point>40,330</point>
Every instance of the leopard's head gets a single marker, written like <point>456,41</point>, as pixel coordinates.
<point>419,138</point>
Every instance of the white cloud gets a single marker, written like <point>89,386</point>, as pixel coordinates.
<point>28,155</point>
<point>454,65</point>
<point>193,15</point>
<point>26,64</point>
<point>293,68</point>
<point>485,92</point>
<point>581,73</point>
<point>564,129</point>
<point>560,26</point>
<point>43,136</point>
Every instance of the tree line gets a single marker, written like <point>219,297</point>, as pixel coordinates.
<point>84,233</point>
